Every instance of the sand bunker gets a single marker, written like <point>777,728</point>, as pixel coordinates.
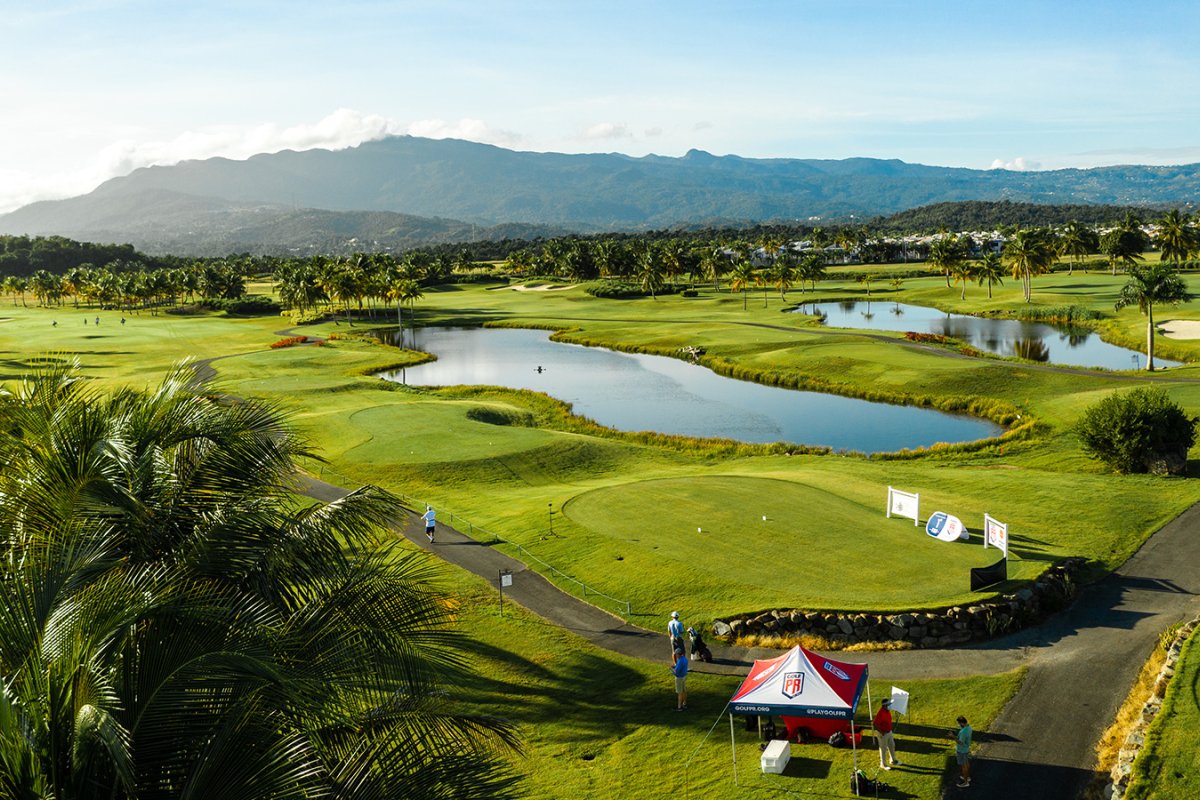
<point>542,288</point>
<point>1181,329</point>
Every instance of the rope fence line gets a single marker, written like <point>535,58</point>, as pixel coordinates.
<point>470,529</point>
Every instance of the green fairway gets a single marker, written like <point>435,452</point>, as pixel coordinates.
<point>759,538</point>
<point>628,507</point>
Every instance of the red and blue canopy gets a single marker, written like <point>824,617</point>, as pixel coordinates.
<point>801,683</point>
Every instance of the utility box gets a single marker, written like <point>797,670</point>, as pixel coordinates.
<point>776,756</point>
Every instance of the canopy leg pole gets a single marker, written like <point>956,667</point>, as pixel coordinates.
<point>853,746</point>
<point>733,747</point>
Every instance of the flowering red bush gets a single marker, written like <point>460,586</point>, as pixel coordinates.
<point>288,342</point>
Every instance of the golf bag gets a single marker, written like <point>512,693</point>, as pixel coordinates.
<point>699,648</point>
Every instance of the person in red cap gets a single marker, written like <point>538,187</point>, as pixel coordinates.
<point>884,735</point>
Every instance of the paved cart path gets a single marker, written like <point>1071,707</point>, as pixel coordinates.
<point>1081,662</point>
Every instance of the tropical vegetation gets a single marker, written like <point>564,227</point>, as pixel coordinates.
<point>175,624</point>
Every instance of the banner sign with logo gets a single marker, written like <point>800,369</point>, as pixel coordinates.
<point>946,527</point>
<point>904,504</point>
<point>995,534</point>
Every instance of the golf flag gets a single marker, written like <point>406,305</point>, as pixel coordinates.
<point>904,504</point>
<point>995,533</point>
<point>899,701</point>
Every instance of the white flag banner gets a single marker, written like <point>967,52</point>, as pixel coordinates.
<point>995,534</point>
<point>899,701</point>
<point>904,504</point>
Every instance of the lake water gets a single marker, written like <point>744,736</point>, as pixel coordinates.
<point>1035,341</point>
<point>633,392</point>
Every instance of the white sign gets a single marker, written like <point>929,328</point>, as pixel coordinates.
<point>506,580</point>
<point>995,533</point>
<point>904,504</point>
<point>899,703</point>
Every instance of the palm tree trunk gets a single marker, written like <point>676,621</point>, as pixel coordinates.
<point>1150,338</point>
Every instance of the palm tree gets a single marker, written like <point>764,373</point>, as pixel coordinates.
<point>650,269</point>
<point>963,272</point>
<point>1028,252</point>
<point>1176,237</point>
<point>812,269</point>
<point>742,278</point>
<point>173,623</point>
<point>1123,248</point>
<point>945,254</point>
<point>865,279</point>
<point>407,291</point>
<point>1077,241</point>
<point>990,270</point>
<point>1147,285</point>
<point>783,273</point>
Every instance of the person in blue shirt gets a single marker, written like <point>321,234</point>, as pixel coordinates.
<point>680,669</point>
<point>962,751</point>
<point>430,522</point>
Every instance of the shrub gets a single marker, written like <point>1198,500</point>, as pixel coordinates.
<point>1142,430</point>
<point>289,342</point>
<point>613,289</point>
<point>252,306</point>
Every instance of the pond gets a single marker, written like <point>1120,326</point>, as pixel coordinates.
<point>1036,341</point>
<point>634,392</point>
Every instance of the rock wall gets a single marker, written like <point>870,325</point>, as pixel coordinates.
<point>1121,773</point>
<point>938,628</point>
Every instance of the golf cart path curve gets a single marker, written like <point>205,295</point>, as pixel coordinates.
<point>1081,662</point>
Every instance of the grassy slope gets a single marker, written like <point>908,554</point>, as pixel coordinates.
<point>1168,768</point>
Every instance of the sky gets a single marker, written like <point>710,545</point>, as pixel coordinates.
<point>93,89</point>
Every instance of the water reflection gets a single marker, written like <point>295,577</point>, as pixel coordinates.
<point>635,392</point>
<point>1036,341</point>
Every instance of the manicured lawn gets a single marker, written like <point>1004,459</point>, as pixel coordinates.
<point>600,725</point>
<point>1168,768</point>
<point>626,509</point>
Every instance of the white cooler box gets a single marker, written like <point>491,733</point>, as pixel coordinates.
<point>776,756</point>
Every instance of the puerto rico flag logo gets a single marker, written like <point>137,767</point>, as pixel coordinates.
<point>793,684</point>
<point>838,671</point>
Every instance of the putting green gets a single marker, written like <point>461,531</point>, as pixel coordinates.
<point>730,534</point>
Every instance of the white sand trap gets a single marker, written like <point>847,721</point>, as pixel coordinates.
<point>542,288</point>
<point>1180,329</point>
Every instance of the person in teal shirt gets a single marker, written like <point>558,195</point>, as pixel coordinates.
<point>962,751</point>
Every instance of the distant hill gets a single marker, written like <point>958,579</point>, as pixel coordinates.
<point>402,190</point>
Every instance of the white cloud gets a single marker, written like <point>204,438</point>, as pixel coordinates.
<point>341,129</point>
<point>651,133</point>
<point>1018,164</point>
<point>607,130</point>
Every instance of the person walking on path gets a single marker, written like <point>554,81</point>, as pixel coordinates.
<point>430,522</point>
<point>680,669</point>
<point>884,736</point>
<point>962,751</point>
<point>675,632</point>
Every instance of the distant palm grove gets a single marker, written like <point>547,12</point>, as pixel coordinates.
<point>55,271</point>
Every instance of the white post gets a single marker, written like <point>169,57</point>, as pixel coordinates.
<point>733,747</point>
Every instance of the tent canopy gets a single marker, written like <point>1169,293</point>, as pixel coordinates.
<point>801,683</point>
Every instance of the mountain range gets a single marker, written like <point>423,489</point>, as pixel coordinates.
<point>402,191</point>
